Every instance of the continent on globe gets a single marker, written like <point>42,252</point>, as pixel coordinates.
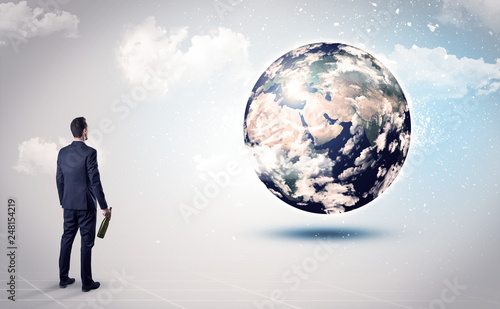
<point>328,128</point>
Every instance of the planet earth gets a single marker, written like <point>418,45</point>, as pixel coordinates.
<point>328,128</point>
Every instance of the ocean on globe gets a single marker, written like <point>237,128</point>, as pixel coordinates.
<point>328,128</point>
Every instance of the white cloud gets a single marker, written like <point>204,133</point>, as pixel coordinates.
<point>37,156</point>
<point>361,163</point>
<point>459,13</point>
<point>432,27</point>
<point>349,145</point>
<point>308,171</point>
<point>444,75</point>
<point>19,22</point>
<point>494,87</point>
<point>281,195</point>
<point>336,196</point>
<point>386,178</point>
<point>393,145</point>
<point>150,54</point>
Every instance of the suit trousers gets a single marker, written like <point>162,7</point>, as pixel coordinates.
<point>85,220</point>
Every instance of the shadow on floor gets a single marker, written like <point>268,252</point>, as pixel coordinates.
<point>325,233</point>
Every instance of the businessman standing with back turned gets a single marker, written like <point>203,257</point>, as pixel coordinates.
<point>79,186</point>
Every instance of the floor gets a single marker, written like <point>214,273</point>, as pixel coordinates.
<point>136,286</point>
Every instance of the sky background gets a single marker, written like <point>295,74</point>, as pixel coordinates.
<point>164,86</point>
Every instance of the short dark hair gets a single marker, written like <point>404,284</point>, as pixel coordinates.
<point>77,126</point>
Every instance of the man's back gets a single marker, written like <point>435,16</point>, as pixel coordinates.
<point>78,180</point>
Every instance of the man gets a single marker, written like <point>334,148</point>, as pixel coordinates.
<point>79,186</point>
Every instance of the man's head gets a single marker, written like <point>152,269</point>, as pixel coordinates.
<point>79,128</point>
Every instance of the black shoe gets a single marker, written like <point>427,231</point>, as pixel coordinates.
<point>63,284</point>
<point>95,285</point>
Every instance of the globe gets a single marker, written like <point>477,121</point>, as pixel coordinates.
<point>328,128</point>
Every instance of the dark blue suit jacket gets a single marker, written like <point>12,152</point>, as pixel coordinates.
<point>77,178</point>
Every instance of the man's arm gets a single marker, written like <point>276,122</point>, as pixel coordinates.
<point>60,179</point>
<point>95,179</point>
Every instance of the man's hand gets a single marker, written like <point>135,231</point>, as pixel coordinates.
<point>107,212</point>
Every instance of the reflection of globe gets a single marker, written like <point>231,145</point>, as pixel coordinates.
<point>328,128</point>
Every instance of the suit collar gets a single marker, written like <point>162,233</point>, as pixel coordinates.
<point>78,143</point>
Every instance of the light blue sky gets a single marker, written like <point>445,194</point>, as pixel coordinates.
<point>440,216</point>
